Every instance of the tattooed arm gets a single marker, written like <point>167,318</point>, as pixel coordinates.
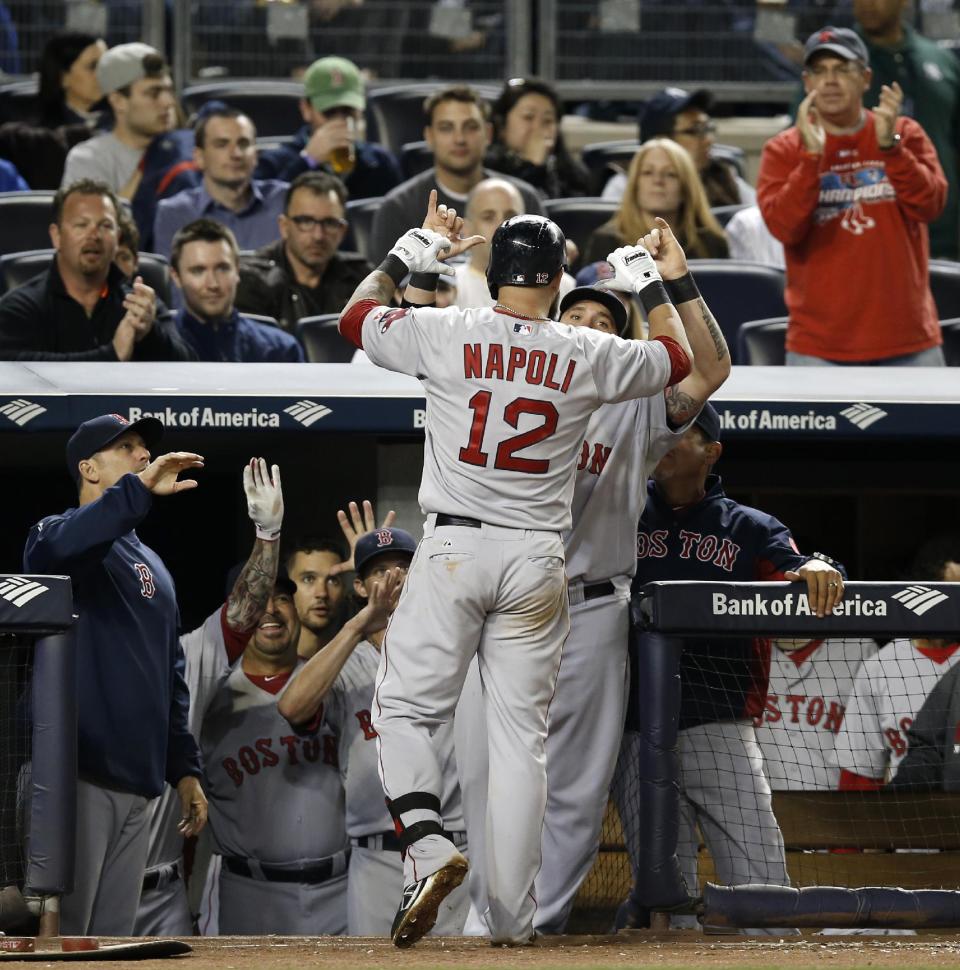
<point>711,358</point>
<point>248,598</point>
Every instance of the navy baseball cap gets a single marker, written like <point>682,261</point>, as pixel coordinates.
<point>94,435</point>
<point>841,41</point>
<point>656,115</point>
<point>381,541</point>
<point>605,297</point>
<point>708,421</point>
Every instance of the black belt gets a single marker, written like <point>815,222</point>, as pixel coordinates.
<point>458,520</point>
<point>596,590</point>
<point>165,875</point>
<point>388,841</point>
<point>319,872</point>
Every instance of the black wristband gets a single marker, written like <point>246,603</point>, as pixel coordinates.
<point>652,296</point>
<point>683,290</point>
<point>394,267</point>
<point>407,305</point>
<point>424,281</point>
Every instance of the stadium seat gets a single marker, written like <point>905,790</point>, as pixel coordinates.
<point>945,286</point>
<point>951,341</point>
<point>25,219</point>
<point>322,341</point>
<point>763,342</point>
<point>270,142</point>
<point>603,158</point>
<point>579,217</point>
<point>415,157</point>
<point>272,105</point>
<point>737,292</point>
<point>19,100</point>
<point>263,318</point>
<point>724,213</point>
<point>17,268</point>
<point>732,154</point>
<point>396,111</point>
<point>360,213</point>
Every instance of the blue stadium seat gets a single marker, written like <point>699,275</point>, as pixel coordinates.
<point>604,158</point>
<point>17,268</point>
<point>322,342</point>
<point>737,292</point>
<point>415,157</point>
<point>360,213</point>
<point>396,111</point>
<point>272,105</point>
<point>579,217</point>
<point>945,286</point>
<point>763,342</point>
<point>25,219</point>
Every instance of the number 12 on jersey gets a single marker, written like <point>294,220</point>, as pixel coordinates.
<point>506,457</point>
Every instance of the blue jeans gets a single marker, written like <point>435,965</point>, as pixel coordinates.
<point>931,357</point>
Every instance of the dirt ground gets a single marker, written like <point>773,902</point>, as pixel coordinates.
<point>635,949</point>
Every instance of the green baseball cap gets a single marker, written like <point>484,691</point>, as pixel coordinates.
<point>334,82</point>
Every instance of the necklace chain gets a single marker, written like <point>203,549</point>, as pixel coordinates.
<point>502,306</point>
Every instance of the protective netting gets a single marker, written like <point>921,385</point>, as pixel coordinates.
<point>837,771</point>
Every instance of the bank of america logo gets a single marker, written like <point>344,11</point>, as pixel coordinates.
<point>919,599</point>
<point>21,411</point>
<point>306,412</point>
<point>19,590</point>
<point>863,415</point>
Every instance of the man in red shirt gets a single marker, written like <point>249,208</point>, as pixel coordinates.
<point>849,192</point>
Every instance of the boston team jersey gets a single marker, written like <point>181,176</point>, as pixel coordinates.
<point>508,401</point>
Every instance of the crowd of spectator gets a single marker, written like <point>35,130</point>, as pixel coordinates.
<point>863,185</point>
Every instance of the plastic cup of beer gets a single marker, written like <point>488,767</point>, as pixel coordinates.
<point>342,160</point>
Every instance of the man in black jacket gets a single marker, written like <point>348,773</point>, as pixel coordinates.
<point>303,274</point>
<point>82,307</point>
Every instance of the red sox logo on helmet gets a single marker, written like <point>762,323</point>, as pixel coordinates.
<point>384,538</point>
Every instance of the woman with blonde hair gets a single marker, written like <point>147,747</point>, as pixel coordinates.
<point>662,181</point>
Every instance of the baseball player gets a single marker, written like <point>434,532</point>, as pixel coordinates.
<point>623,442</point>
<point>340,681</point>
<point>509,396</point>
<point>891,686</point>
<point>276,800</point>
<point>691,530</point>
<point>132,699</point>
<point>804,709</point>
<point>209,652</point>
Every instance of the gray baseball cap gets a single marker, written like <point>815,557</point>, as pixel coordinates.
<point>122,65</point>
<point>840,41</point>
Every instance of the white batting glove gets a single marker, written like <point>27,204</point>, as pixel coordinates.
<point>633,268</point>
<point>419,249</point>
<point>264,498</point>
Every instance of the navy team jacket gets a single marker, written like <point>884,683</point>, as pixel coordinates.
<point>133,700</point>
<point>716,540</point>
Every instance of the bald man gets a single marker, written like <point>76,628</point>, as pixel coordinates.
<point>490,202</point>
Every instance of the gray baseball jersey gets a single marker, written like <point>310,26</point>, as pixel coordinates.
<point>804,711</point>
<point>275,794</point>
<point>508,401</point>
<point>889,689</point>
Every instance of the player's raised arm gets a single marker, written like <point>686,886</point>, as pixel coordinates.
<point>711,357</point>
<point>417,251</point>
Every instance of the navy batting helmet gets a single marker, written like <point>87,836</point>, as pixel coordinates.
<point>525,251</point>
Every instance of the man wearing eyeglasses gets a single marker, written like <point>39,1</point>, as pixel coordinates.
<point>303,273</point>
<point>684,116</point>
<point>226,152</point>
<point>203,264</point>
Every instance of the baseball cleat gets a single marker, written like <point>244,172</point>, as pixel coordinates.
<point>421,901</point>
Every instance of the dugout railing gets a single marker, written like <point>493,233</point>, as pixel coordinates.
<point>836,841</point>
<point>38,727</point>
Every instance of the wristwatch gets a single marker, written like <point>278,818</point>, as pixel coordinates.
<point>894,142</point>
